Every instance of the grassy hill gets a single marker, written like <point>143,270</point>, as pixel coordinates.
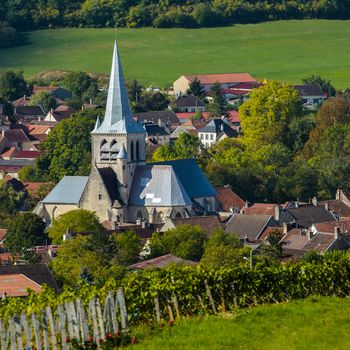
<point>284,50</point>
<point>314,323</point>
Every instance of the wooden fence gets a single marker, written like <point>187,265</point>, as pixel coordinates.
<point>49,330</point>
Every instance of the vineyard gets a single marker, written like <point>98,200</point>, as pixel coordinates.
<point>153,296</point>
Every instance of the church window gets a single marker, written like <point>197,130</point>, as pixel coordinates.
<point>100,196</point>
<point>139,215</point>
<point>114,150</point>
<point>160,217</point>
<point>178,216</point>
<point>132,150</point>
<point>137,150</point>
<point>104,150</point>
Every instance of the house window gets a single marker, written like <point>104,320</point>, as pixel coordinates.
<point>211,137</point>
<point>193,109</point>
<point>206,136</point>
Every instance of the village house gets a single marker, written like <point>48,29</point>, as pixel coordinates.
<point>311,95</point>
<point>61,94</point>
<point>188,103</point>
<point>214,131</point>
<point>226,80</point>
<point>121,186</point>
<point>156,134</point>
<point>58,114</point>
<point>165,119</point>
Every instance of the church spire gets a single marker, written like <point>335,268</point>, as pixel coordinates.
<point>118,117</point>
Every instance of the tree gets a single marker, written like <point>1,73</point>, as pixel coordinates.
<point>74,257</point>
<point>134,92</point>
<point>80,83</point>
<point>12,85</point>
<point>196,88</point>
<point>223,250</point>
<point>267,115</point>
<point>184,241</point>
<point>7,35</point>
<point>76,221</point>
<point>217,107</point>
<point>66,151</point>
<point>151,101</point>
<point>24,231</point>
<point>128,245</point>
<point>45,100</point>
<point>273,247</point>
<point>325,84</point>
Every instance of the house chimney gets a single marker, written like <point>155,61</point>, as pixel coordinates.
<point>143,223</point>
<point>309,234</point>
<point>3,132</point>
<point>314,201</point>
<point>277,212</point>
<point>326,206</point>
<point>285,228</point>
<point>338,194</point>
<point>336,232</point>
<point>246,204</point>
<point>114,225</point>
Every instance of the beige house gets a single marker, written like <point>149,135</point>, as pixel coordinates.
<point>227,80</point>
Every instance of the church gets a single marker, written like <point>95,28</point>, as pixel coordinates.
<point>121,186</point>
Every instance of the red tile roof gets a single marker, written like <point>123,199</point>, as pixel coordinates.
<point>161,261</point>
<point>222,78</point>
<point>26,155</point>
<point>9,153</point>
<point>16,285</point>
<point>270,229</point>
<point>261,209</point>
<point>328,227</point>
<point>229,199</point>
<point>33,187</point>
<point>3,232</point>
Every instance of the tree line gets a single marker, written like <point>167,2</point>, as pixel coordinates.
<point>32,14</point>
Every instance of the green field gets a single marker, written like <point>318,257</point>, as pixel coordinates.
<point>284,50</point>
<point>315,323</point>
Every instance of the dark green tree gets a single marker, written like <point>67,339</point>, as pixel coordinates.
<point>128,246</point>
<point>24,231</point>
<point>80,83</point>
<point>217,107</point>
<point>196,88</point>
<point>12,85</point>
<point>45,100</point>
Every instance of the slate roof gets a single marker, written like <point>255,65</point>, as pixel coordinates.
<point>68,191</point>
<point>166,116</point>
<point>22,101</point>
<point>308,90</point>
<point>157,185</point>
<point>180,129</point>
<point>56,91</point>
<point>188,101</point>
<point>23,111</point>
<point>110,182</point>
<point>294,239</point>
<point>319,243</point>
<point>222,78</point>
<point>39,273</point>
<point>16,135</point>
<point>328,227</point>
<point>306,215</point>
<point>218,126</point>
<point>250,226</point>
<point>118,118</point>
<point>155,130</point>
<point>191,177</point>
<point>228,199</point>
<point>160,262</point>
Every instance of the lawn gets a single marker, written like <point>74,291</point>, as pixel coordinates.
<point>315,323</point>
<point>283,50</point>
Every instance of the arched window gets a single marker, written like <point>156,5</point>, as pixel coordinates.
<point>137,150</point>
<point>114,149</point>
<point>104,150</point>
<point>132,150</point>
<point>178,216</point>
<point>160,217</point>
<point>139,215</point>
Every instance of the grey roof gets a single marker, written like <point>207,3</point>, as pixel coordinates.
<point>180,129</point>
<point>306,215</point>
<point>157,185</point>
<point>250,226</point>
<point>29,111</point>
<point>16,162</point>
<point>218,126</point>
<point>188,101</point>
<point>155,130</point>
<point>192,177</point>
<point>167,115</point>
<point>68,191</point>
<point>118,118</point>
<point>309,90</point>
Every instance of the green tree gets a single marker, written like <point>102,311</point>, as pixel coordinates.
<point>7,35</point>
<point>66,151</point>
<point>196,88</point>
<point>267,115</point>
<point>273,247</point>
<point>223,250</point>
<point>80,83</point>
<point>24,231</point>
<point>12,85</point>
<point>128,245</point>
<point>325,84</point>
<point>45,100</point>
<point>184,241</point>
<point>76,221</point>
<point>217,107</point>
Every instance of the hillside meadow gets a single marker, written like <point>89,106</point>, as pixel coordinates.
<point>284,50</point>
<point>315,323</point>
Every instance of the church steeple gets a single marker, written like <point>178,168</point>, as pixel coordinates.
<point>118,117</point>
